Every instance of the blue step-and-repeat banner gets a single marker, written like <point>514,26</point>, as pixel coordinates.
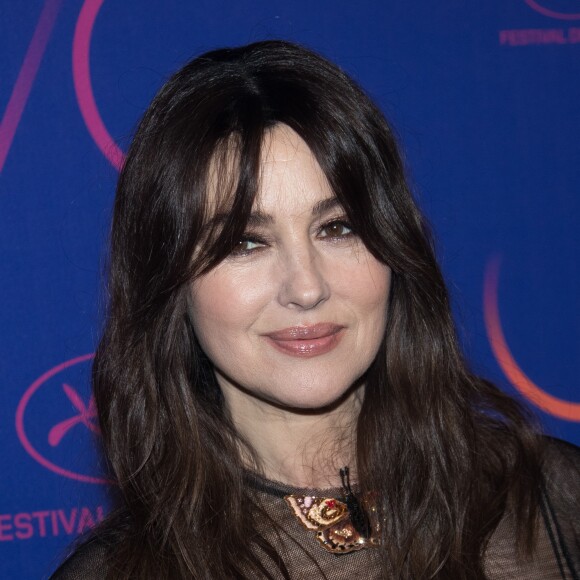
<point>484,95</point>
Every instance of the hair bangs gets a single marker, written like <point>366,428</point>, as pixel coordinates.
<point>231,187</point>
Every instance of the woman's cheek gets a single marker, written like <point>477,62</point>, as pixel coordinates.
<point>228,297</point>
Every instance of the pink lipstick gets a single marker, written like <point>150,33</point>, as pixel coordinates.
<point>306,341</point>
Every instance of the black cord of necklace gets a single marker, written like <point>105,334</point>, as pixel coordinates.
<point>358,516</point>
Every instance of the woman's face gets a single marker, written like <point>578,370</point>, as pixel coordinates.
<point>295,315</point>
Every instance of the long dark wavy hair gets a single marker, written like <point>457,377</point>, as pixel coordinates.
<point>445,453</point>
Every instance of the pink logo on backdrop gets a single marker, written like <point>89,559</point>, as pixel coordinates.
<point>568,410</point>
<point>83,85</point>
<point>44,439</point>
<point>81,77</point>
<point>86,415</point>
<point>21,91</point>
<point>558,9</point>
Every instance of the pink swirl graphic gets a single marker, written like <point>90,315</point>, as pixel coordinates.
<point>26,76</point>
<point>538,7</point>
<point>55,435</point>
<point>84,88</point>
<point>545,401</point>
<point>86,416</point>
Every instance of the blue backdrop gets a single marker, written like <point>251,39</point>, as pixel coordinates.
<point>484,95</point>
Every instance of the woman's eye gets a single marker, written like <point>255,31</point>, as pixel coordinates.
<point>246,246</point>
<point>337,229</point>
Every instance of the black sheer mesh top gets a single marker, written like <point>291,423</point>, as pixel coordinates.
<point>556,556</point>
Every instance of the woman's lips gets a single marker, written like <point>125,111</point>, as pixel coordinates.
<point>306,341</point>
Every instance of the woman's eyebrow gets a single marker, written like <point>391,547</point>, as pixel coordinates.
<point>325,205</point>
<point>258,219</point>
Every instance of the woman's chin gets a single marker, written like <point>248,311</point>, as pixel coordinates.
<point>311,399</point>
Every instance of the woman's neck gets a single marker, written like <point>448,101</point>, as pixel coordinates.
<point>298,447</point>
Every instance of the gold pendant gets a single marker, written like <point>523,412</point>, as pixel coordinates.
<point>330,519</point>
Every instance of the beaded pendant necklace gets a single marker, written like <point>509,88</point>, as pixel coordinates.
<point>341,525</point>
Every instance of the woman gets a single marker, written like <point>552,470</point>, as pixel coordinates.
<point>279,383</point>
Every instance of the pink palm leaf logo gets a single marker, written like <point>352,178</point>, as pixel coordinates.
<point>86,416</point>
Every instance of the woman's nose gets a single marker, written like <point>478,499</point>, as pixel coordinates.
<point>303,284</point>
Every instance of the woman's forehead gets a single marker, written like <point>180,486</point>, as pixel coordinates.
<point>290,180</point>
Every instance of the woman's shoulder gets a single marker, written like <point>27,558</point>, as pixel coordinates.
<point>89,557</point>
<point>561,467</point>
<point>561,499</point>
<point>561,484</point>
<point>86,562</point>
